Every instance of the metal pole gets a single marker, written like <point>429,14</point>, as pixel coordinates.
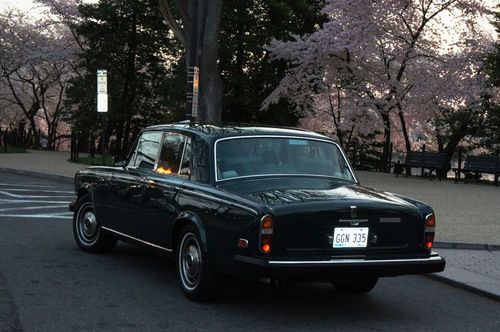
<point>192,61</point>
<point>103,139</point>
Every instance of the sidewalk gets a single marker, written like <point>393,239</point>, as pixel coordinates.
<point>468,215</point>
<point>45,162</point>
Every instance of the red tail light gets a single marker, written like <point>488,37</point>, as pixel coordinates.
<point>266,233</point>
<point>430,225</point>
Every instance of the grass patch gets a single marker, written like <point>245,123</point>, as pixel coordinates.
<point>96,161</point>
<point>11,149</point>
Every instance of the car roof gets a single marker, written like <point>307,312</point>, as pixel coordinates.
<point>212,132</point>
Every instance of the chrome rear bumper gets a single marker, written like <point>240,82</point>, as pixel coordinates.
<point>327,269</point>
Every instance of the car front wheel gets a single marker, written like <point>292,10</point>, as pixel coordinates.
<point>88,234</point>
<point>355,285</point>
<point>197,281</point>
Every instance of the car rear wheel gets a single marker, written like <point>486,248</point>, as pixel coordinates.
<point>355,285</point>
<point>88,234</point>
<point>197,281</point>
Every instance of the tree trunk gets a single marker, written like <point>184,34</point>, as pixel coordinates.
<point>405,131</point>
<point>119,137</point>
<point>239,86</point>
<point>211,84</point>
<point>452,143</point>
<point>384,159</point>
<point>36,134</point>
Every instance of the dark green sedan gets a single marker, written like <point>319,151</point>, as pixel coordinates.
<point>268,203</point>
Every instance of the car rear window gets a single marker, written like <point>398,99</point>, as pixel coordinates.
<point>257,156</point>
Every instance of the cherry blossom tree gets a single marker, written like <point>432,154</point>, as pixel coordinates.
<point>35,65</point>
<point>390,57</point>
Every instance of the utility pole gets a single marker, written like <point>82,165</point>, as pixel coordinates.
<point>193,69</point>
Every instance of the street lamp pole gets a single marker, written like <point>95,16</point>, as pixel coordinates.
<point>193,69</point>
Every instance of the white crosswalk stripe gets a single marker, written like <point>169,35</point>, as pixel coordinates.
<point>31,208</point>
<point>34,201</point>
<point>42,216</point>
<point>43,191</point>
<point>6,193</point>
<point>25,185</point>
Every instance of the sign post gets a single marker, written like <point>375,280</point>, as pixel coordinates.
<point>193,73</point>
<point>102,106</point>
<point>193,88</point>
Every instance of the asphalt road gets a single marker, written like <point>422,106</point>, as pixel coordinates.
<point>48,284</point>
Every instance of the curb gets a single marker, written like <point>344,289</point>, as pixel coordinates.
<point>464,286</point>
<point>61,178</point>
<point>466,246</point>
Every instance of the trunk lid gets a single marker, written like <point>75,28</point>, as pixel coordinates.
<point>306,218</point>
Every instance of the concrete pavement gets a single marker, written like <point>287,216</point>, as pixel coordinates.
<point>468,215</point>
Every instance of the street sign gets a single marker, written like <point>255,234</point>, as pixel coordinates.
<point>196,88</point>
<point>102,82</point>
<point>102,91</point>
<point>102,103</point>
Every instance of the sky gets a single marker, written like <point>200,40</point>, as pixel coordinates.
<point>23,5</point>
<point>27,5</point>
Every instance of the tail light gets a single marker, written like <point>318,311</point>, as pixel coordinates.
<point>430,225</point>
<point>266,234</point>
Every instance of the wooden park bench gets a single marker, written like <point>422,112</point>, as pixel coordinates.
<point>433,161</point>
<point>478,165</point>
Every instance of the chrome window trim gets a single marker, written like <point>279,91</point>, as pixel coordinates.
<point>220,200</point>
<point>360,261</point>
<point>183,152</point>
<point>136,239</point>
<point>188,140</point>
<point>286,137</point>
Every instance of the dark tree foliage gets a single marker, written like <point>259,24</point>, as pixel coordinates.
<point>130,40</point>
<point>249,76</point>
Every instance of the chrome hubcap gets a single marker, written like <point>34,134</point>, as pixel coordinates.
<point>190,261</point>
<point>89,224</point>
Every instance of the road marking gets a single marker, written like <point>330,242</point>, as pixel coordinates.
<point>26,185</point>
<point>45,198</point>
<point>35,207</point>
<point>38,216</point>
<point>3,200</point>
<point>43,191</point>
<point>30,196</point>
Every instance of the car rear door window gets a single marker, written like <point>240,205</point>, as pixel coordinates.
<point>175,156</point>
<point>147,151</point>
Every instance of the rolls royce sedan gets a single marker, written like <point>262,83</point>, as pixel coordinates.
<point>266,203</point>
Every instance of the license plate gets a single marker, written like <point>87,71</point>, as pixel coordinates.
<point>350,237</point>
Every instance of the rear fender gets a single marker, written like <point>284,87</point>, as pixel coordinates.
<point>189,217</point>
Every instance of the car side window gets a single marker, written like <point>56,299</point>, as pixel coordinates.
<point>172,150</point>
<point>147,151</point>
